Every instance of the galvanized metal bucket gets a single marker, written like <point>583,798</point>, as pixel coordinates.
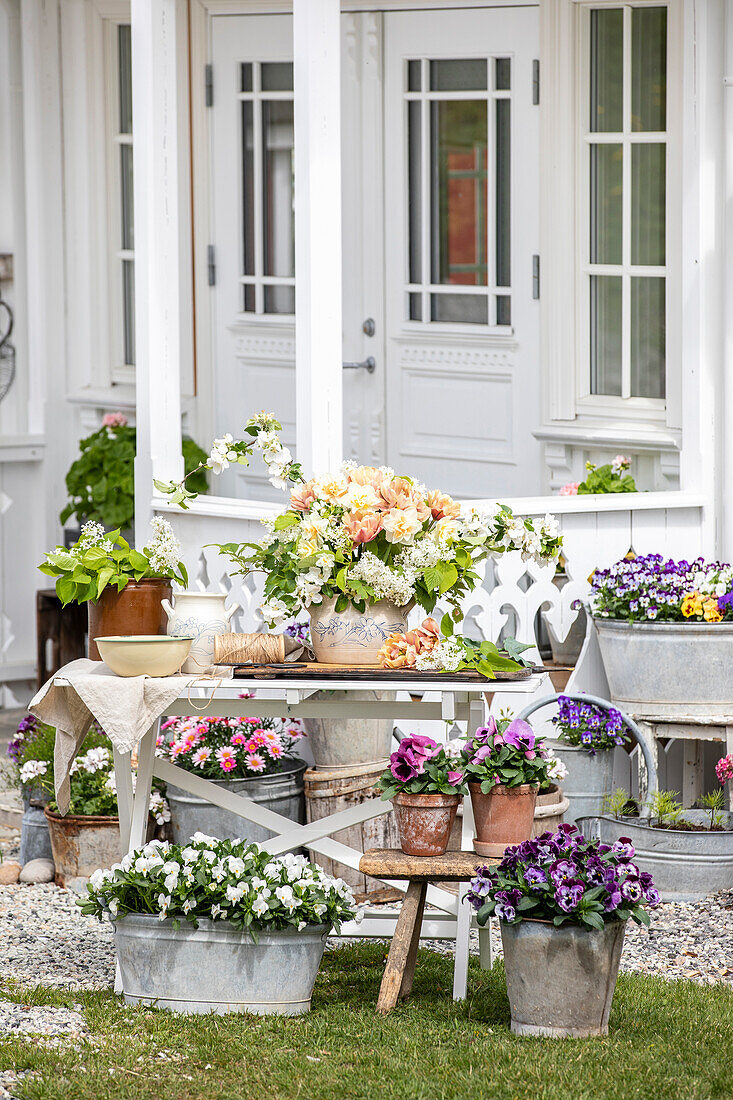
<point>216,968</point>
<point>668,668</point>
<point>281,792</point>
<point>35,843</point>
<point>340,744</point>
<point>588,782</point>
<point>686,866</point>
<point>561,981</point>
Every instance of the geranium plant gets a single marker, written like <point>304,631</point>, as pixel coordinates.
<point>361,534</point>
<point>219,880</point>
<point>650,588</point>
<point>506,752</point>
<point>432,648</point>
<point>587,726</point>
<point>228,748</point>
<point>101,481</point>
<point>724,769</point>
<point>611,477</point>
<point>563,878</point>
<point>93,792</point>
<point>422,766</point>
<point>98,560</point>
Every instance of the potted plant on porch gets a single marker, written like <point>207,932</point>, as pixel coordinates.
<point>218,925</point>
<point>562,902</point>
<point>587,735</point>
<point>665,630</point>
<point>424,782</point>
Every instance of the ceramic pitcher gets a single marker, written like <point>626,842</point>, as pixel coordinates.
<point>201,615</point>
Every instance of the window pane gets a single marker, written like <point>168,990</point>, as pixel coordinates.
<point>277,141</point>
<point>414,171</point>
<point>648,331</point>
<point>649,69</point>
<point>503,194</point>
<point>472,309</point>
<point>458,76</point>
<point>124,61</point>
<point>606,70</point>
<point>605,334</point>
<point>248,189</point>
<point>128,311</point>
<point>277,76</point>
<point>648,188</point>
<point>459,191</point>
<point>415,307</point>
<point>248,298</point>
<point>279,299</point>
<point>128,228</point>
<point>245,77</point>
<point>503,309</point>
<point>606,212</point>
<point>414,76</point>
<point>503,74</point>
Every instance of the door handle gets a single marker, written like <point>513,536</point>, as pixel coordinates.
<point>369,365</point>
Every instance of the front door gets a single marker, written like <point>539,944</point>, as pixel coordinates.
<point>440,141</point>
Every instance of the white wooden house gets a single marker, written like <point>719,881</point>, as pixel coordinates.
<point>519,213</point>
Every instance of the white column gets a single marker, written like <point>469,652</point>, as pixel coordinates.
<point>158,260</point>
<point>318,330</point>
<point>726,246</point>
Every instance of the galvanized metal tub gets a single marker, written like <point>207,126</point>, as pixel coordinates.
<point>561,981</point>
<point>340,744</point>
<point>668,668</point>
<point>588,782</point>
<point>281,792</point>
<point>81,845</point>
<point>685,866</point>
<point>217,968</point>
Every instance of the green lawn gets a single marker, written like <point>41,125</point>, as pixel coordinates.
<point>668,1041</point>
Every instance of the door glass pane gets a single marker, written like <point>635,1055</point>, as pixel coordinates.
<point>606,334</point>
<point>459,191</point>
<point>458,76</point>
<point>648,190</point>
<point>124,62</point>
<point>649,69</point>
<point>415,311</point>
<point>128,310</point>
<point>606,210</point>
<point>128,228</point>
<point>503,309</point>
<point>248,182</point>
<point>414,171</point>
<point>503,195</point>
<point>648,337</point>
<point>460,308</point>
<point>414,76</point>
<point>606,70</point>
<point>279,299</point>
<point>503,74</point>
<point>277,140</point>
<point>245,76</point>
<point>277,76</point>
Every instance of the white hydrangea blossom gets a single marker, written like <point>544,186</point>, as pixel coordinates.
<point>164,550</point>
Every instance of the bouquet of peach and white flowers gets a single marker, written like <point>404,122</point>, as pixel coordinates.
<point>363,534</point>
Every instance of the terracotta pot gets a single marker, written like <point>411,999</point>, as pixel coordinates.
<point>137,609</point>
<point>503,816</point>
<point>425,822</point>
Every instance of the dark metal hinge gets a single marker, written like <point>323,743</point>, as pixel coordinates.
<point>209,84</point>
<point>535,276</point>
<point>211,264</point>
<point>536,81</point>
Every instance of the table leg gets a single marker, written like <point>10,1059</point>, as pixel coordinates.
<point>409,973</point>
<point>141,801</point>
<point>123,783</point>
<point>408,926</point>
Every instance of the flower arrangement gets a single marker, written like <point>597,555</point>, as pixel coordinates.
<point>364,534</point>
<point>590,727</point>
<point>101,481</point>
<point>506,752</point>
<point>421,766</point>
<point>92,779</point>
<point>648,589</point>
<point>99,559</point>
<point>219,880</point>
<point>228,748</point>
<point>562,877</point>
<point>433,647</point>
<point>724,769</point>
<point>611,477</point>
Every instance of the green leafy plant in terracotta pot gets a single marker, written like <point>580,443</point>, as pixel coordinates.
<point>424,782</point>
<point>122,587</point>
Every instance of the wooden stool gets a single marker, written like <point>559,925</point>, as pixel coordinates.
<point>386,863</point>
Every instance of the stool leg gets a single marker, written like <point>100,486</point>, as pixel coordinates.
<point>409,973</point>
<point>485,947</point>
<point>463,935</point>
<point>399,951</point>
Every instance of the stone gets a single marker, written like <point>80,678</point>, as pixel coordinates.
<point>38,870</point>
<point>9,872</point>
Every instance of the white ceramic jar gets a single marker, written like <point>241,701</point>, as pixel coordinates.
<point>202,616</point>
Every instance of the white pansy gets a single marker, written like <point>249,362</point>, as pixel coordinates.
<point>260,907</point>
<point>236,893</point>
<point>170,882</point>
<point>190,855</point>
<point>113,906</point>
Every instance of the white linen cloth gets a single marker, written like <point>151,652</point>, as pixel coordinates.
<point>124,706</point>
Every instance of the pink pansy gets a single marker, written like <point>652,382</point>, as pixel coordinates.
<point>570,490</point>
<point>114,420</point>
<point>255,762</point>
<point>454,778</point>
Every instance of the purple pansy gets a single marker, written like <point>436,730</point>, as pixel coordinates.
<point>535,877</point>
<point>623,848</point>
<point>563,870</point>
<point>568,896</point>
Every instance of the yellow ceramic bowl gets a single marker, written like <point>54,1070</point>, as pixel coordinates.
<point>144,654</point>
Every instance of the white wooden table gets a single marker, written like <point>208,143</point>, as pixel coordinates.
<point>443,700</point>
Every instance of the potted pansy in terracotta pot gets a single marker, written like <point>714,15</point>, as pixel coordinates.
<point>424,782</point>
<point>504,763</point>
<point>562,903</point>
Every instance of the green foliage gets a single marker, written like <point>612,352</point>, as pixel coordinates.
<point>605,479</point>
<point>101,481</point>
<point>713,803</point>
<point>665,808</point>
<point>620,803</point>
